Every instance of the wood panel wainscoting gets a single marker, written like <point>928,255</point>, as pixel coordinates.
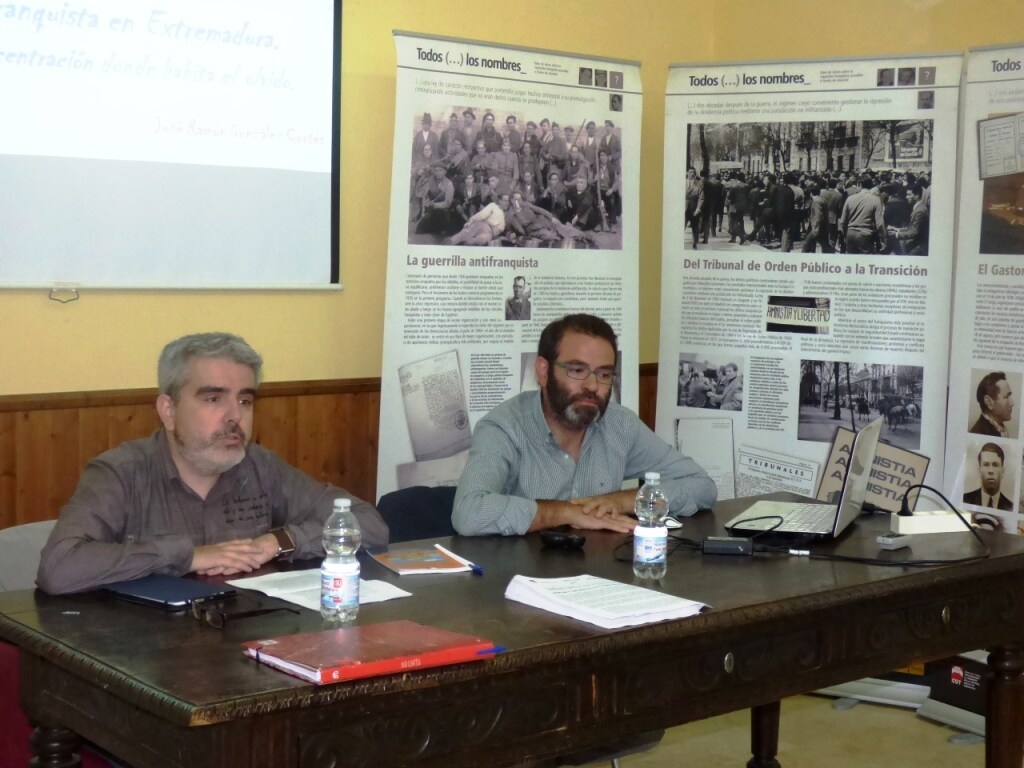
<point>326,428</point>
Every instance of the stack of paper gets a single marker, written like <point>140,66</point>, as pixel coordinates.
<point>303,588</point>
<point>605,603</point>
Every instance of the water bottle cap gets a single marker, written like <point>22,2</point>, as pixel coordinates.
<point>652,477</point>
<point>343,503</point>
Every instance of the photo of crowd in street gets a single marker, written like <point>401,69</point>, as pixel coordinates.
<point>839,393</point>
<point>490,178</point>
<point>856,186</point>
<point>704,383</point>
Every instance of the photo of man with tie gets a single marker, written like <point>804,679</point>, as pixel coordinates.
<point>991,467</point>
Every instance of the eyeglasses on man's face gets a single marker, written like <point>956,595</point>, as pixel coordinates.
<point>217,613</point>
<point>604,376</point>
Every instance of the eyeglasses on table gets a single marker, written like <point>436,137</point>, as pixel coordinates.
<point>217,612</point>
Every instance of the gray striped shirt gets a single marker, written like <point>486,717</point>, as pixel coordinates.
<point>515,461</point>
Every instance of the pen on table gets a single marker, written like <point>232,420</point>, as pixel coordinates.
<point>473,566</point>
<point>492,651</point>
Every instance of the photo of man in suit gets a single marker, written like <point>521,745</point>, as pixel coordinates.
<point>991,466</point>
<point>995,396</point>
<point>517,306</point>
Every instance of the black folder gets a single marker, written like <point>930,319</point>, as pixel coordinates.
<point>172,593</point>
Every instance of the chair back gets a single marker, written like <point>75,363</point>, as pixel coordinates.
<point>20,546</point>
<point>419,512</point>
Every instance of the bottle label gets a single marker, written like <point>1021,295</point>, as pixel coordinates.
<point>650,544</point>
<point>339,587</point>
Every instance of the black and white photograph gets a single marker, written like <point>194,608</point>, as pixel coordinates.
<point>836,393</point>
<point>992,410</point>
<point>886,77</point>
<point>907,76</point>
<point>711,383</point>
<point>990,476</point>
<point>857,187</point>
<point>798,314</point>
<point>586,76</point>
<point>489,178</point>
<point>518,306</point>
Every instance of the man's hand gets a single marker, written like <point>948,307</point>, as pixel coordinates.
<point>609,521</point>
<point>603,514</point>
<point>230,557</point>
<point>620,502</point>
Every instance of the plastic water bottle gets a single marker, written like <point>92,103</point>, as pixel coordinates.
<point>339,574</point>
<point>650,537</point>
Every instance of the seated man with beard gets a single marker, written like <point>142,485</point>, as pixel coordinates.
<point>195,496</point>
<point>559,455</point>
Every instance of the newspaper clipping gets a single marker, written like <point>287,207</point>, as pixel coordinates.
<point>807,259</point>
<point>514,201</point>
<point>983,435</point>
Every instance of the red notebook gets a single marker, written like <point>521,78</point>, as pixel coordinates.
<point>350,653</point>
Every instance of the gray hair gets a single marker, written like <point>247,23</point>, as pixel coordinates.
<point>170,371</point>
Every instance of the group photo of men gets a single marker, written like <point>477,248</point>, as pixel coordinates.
<point>846,195</point>
<point>484,177</point>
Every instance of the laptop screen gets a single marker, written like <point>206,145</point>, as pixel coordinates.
<point>855,485</point>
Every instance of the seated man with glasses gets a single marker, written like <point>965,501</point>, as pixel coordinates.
<point>559,455</point>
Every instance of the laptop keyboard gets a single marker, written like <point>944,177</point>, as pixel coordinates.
<point>808,517</point>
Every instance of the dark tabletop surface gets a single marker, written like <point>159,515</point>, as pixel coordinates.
<point>170,663</point>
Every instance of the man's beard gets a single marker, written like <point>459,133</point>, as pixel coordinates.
<point>207,457</point>
<point>567,409</point>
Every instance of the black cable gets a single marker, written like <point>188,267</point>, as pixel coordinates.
<point>904,510</point>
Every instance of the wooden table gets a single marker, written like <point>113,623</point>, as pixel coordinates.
<point>161,689</point>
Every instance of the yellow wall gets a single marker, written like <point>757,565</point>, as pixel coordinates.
<point>109,340</point>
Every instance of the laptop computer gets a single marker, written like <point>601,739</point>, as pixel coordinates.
<point>817,519</point>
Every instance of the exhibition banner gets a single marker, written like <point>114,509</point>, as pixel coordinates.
<point>514,201</point>
<point>983,436</point>
<point>807,263</point>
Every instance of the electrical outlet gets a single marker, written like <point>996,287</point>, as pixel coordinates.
<point>939,521</point>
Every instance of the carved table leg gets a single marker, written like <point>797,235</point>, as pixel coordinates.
<point>54,748</point>
<point>1004,727</point>
<point>764,735</point>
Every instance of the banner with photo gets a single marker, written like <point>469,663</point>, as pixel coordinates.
<point>983,436</point>
<point>514,201</point>
<point>807,256</point>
